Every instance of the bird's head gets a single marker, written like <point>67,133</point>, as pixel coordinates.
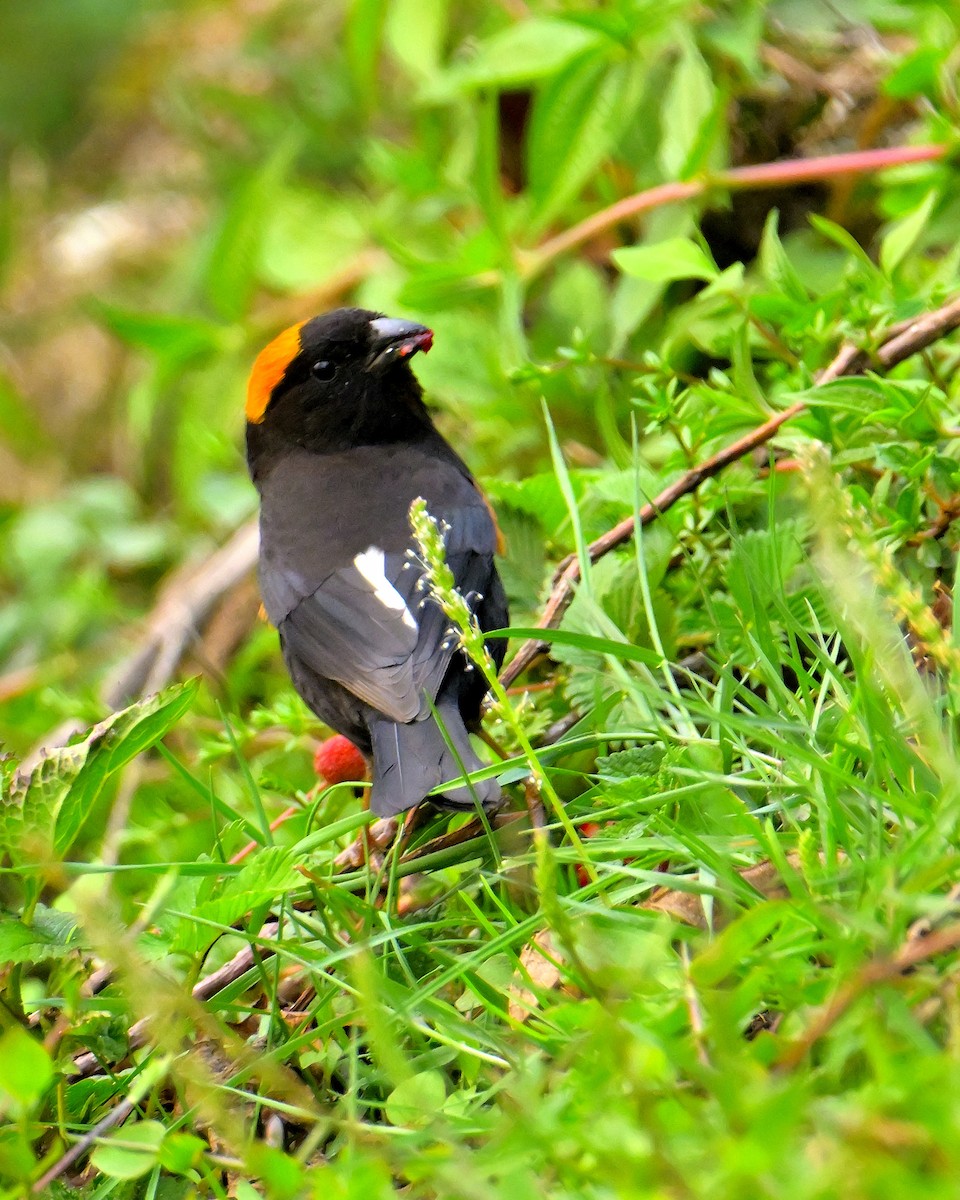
<point>338,380</point>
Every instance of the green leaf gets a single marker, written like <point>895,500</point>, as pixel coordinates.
<point>49,934</point>
<point>415,32</point>
<point>46,806</point>
<point>775,264</point>
<point>577,119</point>
<point>175,338</point>
<point>261,880</point>
<point>728,953</point>
<point>688,106</point>
<point>588,643</point>
<point>232,267</point>
<point>676,258</point>
<point>840,237</point>
<point>182,1152</point>
<point>417,1100</point>
<point>130,1152</point>
<point>638,762</point>
<point>27,1070</point>
<point>903,235</point>
<point>524,52</point>
<point>126,735</point>
<point>363,36</point>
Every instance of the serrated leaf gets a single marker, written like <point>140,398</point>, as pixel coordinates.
<point>49,934</point>
<point>761,561</point>
<point>577,119</point>
<point>540,496</point>
<point>676,258</point>
<point>46,806</point>
<point>262,880</point>
<point>637,762</point>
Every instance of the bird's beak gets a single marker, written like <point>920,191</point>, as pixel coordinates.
<point>394,340</point>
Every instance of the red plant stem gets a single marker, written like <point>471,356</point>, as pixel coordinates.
<point>761,175</point>
<point>274,826</point>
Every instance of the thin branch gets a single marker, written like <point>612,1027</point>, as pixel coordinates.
<point>851,360</point>
<point>116,1116</point>
<point>760,175</point>
<point>880,971</point>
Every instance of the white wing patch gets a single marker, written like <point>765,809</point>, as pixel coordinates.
<point>370,564</point>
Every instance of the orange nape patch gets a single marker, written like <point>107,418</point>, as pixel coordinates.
<point>268,370</point>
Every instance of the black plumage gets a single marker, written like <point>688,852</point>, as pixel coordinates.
<point>339,444</point>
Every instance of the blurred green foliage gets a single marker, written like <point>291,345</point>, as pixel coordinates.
<point>181,180</point>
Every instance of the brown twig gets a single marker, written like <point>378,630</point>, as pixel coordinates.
<point>116,1116</point>
<point>881,970</point>
<point>905,341</point>
<point>184,604</point>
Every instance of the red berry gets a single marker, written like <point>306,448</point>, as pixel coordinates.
<point>588,829</point>
<point>338,760</point>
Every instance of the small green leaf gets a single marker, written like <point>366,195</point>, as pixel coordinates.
<point>182,1152</point>
<point>417,1100</point>
<point>522,53</point>
<point>903,235</point>
<point>775,264</point>
<point>415,31</point>
<point>729,952</point>
<point>263,878</point>
<point>26,1070</point>
<point>676,258</point>
<point>690,100</point>
<point>840,237</point>
<point>49,934</point>
<point>130,1152</point>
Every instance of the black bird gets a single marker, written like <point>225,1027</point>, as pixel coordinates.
<point>339,443</point>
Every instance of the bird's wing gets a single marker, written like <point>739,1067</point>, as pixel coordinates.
<point>370,627</point>
<point>336,576</point>
<point>360,627</point>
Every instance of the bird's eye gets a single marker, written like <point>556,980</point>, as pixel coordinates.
<point>323,370</point>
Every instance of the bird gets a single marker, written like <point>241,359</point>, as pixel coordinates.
<point>339,442</point>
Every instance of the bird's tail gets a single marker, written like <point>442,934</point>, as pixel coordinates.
<point>411,760</point>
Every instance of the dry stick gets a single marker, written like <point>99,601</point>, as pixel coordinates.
<point>184,605</point>
<point>879,971</point>
<point>851,360</point>
<point>116,1116</point>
